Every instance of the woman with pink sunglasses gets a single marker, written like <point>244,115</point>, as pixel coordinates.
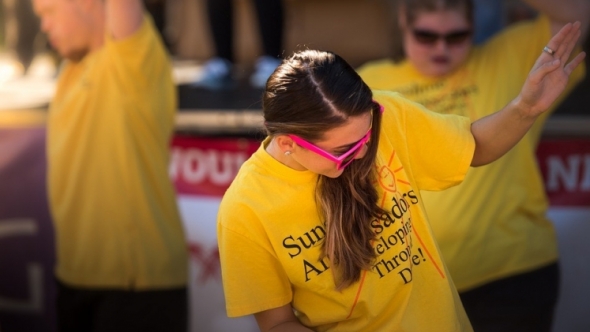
<point>492,229</point>
<point>323,228</point>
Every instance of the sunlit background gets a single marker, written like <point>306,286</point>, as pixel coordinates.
<point>28,72</point>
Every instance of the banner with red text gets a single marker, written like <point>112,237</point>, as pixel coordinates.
<point>565,165</point>
<point>205,166</point>
<point>202,168</point>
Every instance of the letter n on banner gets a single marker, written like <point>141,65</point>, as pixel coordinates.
<point>565,165</point>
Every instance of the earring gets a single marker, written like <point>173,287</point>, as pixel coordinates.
<point>287,153</point>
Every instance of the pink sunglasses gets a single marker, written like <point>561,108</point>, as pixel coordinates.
<point>344,159</point>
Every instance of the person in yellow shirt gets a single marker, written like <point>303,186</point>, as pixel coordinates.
<point>324,228</point>
<point>492,229</point>
<point>121,254</point>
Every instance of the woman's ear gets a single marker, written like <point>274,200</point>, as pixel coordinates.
<point>285,143</point>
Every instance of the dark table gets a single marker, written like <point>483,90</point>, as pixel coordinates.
<point>238,112</point>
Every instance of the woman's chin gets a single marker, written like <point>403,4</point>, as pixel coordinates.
<point>334,173</point>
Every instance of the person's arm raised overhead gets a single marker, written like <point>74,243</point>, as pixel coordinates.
<point>281,319</point>
<point>124,17</point>
<point>560,12</point>
<point>499,132</point>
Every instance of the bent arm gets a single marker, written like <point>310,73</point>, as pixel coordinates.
<point>124,17</point>
<point>497,133</point>
<point>560,12</point>
<point>281,319</point>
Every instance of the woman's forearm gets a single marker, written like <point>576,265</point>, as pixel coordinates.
<point>497,133</point>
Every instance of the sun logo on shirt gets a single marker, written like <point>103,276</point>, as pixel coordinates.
<point>400,200</point>
<point>387,178</point>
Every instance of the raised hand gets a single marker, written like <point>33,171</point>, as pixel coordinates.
<point>549,76</point>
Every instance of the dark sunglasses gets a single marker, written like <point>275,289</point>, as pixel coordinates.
<point>430,37</point>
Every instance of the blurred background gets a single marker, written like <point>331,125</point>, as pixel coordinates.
<point>218,130</point>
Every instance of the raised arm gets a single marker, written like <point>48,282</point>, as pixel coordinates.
<point>124,17</point>
<point>560,12</point>
<point>499,132</point>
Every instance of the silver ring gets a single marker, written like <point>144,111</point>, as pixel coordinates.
<point>548,50</point>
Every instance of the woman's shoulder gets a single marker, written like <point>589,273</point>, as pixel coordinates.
<point>393,100</point>
<point>239,204</point>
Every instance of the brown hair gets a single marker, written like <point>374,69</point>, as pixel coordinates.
<point>308,94</point>
<point>413,7</point>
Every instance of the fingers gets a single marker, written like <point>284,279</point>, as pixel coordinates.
<point>569,43</point>
<point>556,41</point>
<point>564,41</point>
<point>538,74</point>
<point>569,68</point>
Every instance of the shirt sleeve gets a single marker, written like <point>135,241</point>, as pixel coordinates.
<point>438,148</point>
<point>253,278</point>
<point>140,73</point>
<point>139,58</point>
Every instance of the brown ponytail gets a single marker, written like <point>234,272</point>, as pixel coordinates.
<point>309,94</point>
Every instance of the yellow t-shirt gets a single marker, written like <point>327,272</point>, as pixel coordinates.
<point>493,225</point>
<point>270,233</point>
<point>114,207</point>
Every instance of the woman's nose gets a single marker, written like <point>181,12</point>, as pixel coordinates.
<point>441,45</point>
